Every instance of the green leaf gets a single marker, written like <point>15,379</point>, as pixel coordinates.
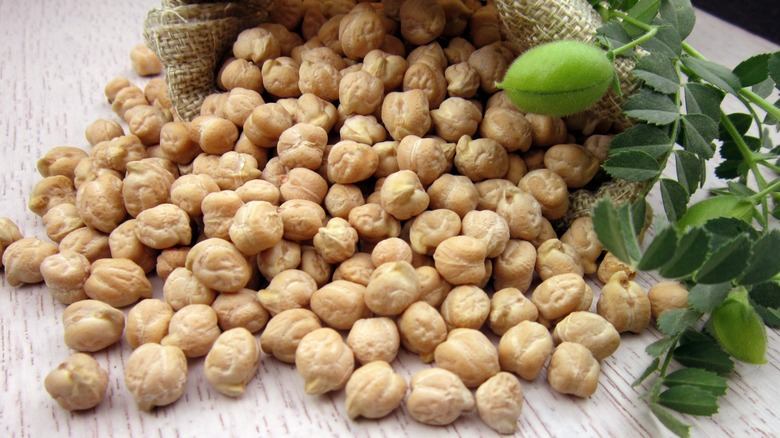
<point>658,72</point>
<point>647,138</point>
<point>613,36</point>
<point>713,73</point>
<point>661,346</point>
<point>675,199</point>
<point>703,379</point>
<point>704,354</point>
<point>715,207</point>
<point>774,67</point>
<point>726,262</point>
<point>660,250</point>
<point>666,41</point>
<point>690,255</point>
<point>706,297</point>
<point>689,399</point>
<point>651,107</point>
<point>632,166</point>
<point>675,321</point>
<point>741,121</point>
<point>692,335</point>
<point>644,11</point>
<point>680,14</point>
<point>669,421</point>
<point>704,99</point>
<point>698,133</point>
<point>753,70</point>
<point>690,170</point>
<point>639,213</point>
<point>764,88</point>
<point>739,329</point>
<point>615,230</point>
<point>766,301</point>
<point>764,262</point>
<point>647,372</point>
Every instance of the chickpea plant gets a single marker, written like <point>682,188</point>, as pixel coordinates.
<point>722,248</point>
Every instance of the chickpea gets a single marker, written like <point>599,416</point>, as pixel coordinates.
<point>51,191</point>
<point>240,73</point>
<point>193,329</point>
<point>324,361</point>
<point>163,226</point>
<point>65,274</point>
<point>182,288</point>
<point>283,256</point>
<point>516,169</point>
<point>286,38</point>
<point>219,208</point>
<point>337,241</point>
<point>591,330</point>
<point>280,77</point>
<point>302,145</point>
<point>489,227</point>
<point>431,228</point>
<point>454,118</point>
<point>509,307</point>
<point>211,106</point>
<point>9,233</point>
<point>402,195</point>
<point>92,325</point>
<point>289,289</point>
<point>361,31</point>
<point>170,259</point>
<point>145,185</point>
<point>422,21</point>
<point>424,156</point>
<point>546,130</point>
<point>362,129</point>
<point>256,45</point>
<point>319,78</point>
<point>114,86</point>
<point>266,124</point>
<point>438,397</point>
<point>360,92</point>
<point>342,198</point>
<point>215,135</point>
<point>78,383</point>
<point>86,241</point>
<point>219,265</point>
<point>356,269</point>
<point>392,288</point>
<point>61,161</point>
<point>127,98</point>
<point>240,309</point>
<point>147,322</point>
<point>145,122</point>
<point>500,402</point>
<point>665,295</point>
<point>373,223</point>
<point>176,143</point>
<point>524,349</point>
<point>374,390</point>
<point>522,212</point>
<point>481,159</point>
<point>388,159</point>
<point>554,257</point>
<point>610,265</point>
<point>387,67</point>
<point>406,113</point>
<point>562,294</point>
<point>389,250</point>
<point>259,190</point>
<point>461,259</point>
<point>465,307</point>
<point>458,50</point>
<point>469,354</point>
<point>59,221</point>
<point>156,375</point>
<point>431,80</point>
<point>374,339</point>
<point>153,88</point>
<point>284,332</point>
<point>485,26</point>
<point>188,192</point>
<point>256,227</point>
<point>433,287</point>
<point>456,193</point>
<point>314,110</point>
<point>302,219</point>
<point>117,282</point>
<point>302,183</point>
<point>549,189</point>
<point>100,203</point>
<point>490,66</point>
<point>145,61</point>
<point>624,303</point>
<point>124,244</point>
<point>350,162</point>
<point>573,163</point>
<point>232,361</point>
<point>23,257</point>
<point>582,237</point>
<point>573,370</point>
<point>340,304</point>
<point>422,329</point>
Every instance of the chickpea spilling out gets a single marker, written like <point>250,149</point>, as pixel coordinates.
<point>357,186</point>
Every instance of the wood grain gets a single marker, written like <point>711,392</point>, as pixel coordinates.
<point>57,57</point>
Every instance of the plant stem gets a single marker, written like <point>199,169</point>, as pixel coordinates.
<point>761,102</point>
<point>774,185</point>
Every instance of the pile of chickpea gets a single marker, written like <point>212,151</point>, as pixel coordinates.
<point>357,185</point>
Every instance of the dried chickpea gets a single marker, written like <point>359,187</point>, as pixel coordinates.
<point>170,259</point>
<point>554,257</point>
<point>465,306</point>
<point>374,390</point>
<point>391,250</point>
<point>153,88</point>
<point>340,304</point>
<point>516,170</point>
<point>431,228</point>
<point>302,145</point>
<point>211,106</point>
<point>123,243</point>
<point>114,86</point>
<point>560,295</point>
<point>388,160</point>
<point>189,191</point>
<point>240,309</point>
<point>78,383</point>
<point>461,259</point>
<point>146,122</point>
<point>239,105</point>
<point>127,98</point>
<point>549,189</point>
<point>589,329</point>
<point>302,183</point>
<point>256,227</point>
<point>284,332</point>
<point>469,354</point>
<point>454,118</point>
<point>350,162</point>
<point>509,307</point>
<point>259,190</point>
<point>422,329</point>
<point>319,78</point>
<point>257,45</point>
<point>145,185</point>
<point>663,296</point>
<point>524,349</point>
<point>302,219</point>
<point>362,129</point>
<point>287,39</point>
<point>462,82</point>
<point>422,21</point>
<point>373,223</point>
<point>361,31</point>
<point>163,226</point>
<point>86,241</point>
<point>582,237</point>
<point>147,322</point>
<point>522,213</point>
<point>283,256</point>
<point>324,361</point>
<point>393,286</point>
<point>458,50</point>
<point>62,160</point>
<point>490,66</point>
<point>424,156</point>
<point>280,77</point>
<point>145,61</point>
<point>156,375</point>
<point>9,233</point>
<point>481,159</point>
<point>356,269</point>
<point>421,76</point>
<point>610,265</point>
<point>402,195</point>
<point>219,208</point>
<point>438,397</point>
<point>117,282</point>
<point>289,289</point>
<point>176,143</point>
<point>215,135</point>
<point>500,402</point>
<point>232,361</point>
<point>360,92</point>
<point>240,73</point>
<point>406,113</point>
<point>387,67</point>
<point>22,259</point>
<point>342,198</point>
<point>484,26</point>
<point>51,191</point>
<point>328,34</point>
<point>219,265</point>
<point>546,130</point>
<point>624,303</point>
<point>433,287</point>
<point>573,163</point>
<point>489,227</point>
<point>65,274</point>
<point>456,193</point>
<point>194,329</point>
<point>181,288</point>
<point>314,110</point>
<point>374,339</point>
<point>266,124</point>
<point>92,325</point>
<point>337,241</point>
<point>100,203</point>
<point>573,370</point>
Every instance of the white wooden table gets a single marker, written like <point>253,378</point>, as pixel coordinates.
<point>56,59</point>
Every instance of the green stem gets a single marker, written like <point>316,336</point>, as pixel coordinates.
<point>769,165</point>
<point>748,156</point>
<point>691,51</point>
<point>651,31</point>
<point>761,102</point>
<point>775,185</point>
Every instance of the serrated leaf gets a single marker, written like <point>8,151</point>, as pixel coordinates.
<point>753,70</point>
<point>739,329</point>
<point>690,255</point>
<point>740,190</point>
<point>615,230</point>
<point>723,229</point>
<point>660,250</point>
<point>666,41</point>
<point>613,36</point>
<point>675,199</point>
<point>726,262</point>
<point>647,372</point>
<point>764,262</point>
<point>632,166</point>
<point>764,88</point>
<point>766,300</point>
<point>713,73</point>
<point>692,335</point>
<point>651,107</point>
<point>706,297</point>
<point>680,14</point>
<point>647,138</point>
<point>741,121</point>
<point>774,67</point>
<point>698,133</point>
<point>669,421</point>
<point>715,207</point>
<point>675,321</point>
<point>689,400</point>
<point>660,347</point>
<point>703,379</point>
<point>690,170</point>
<point>704,354</point>
<point>658,72</point>
<point>703,99</point>
<point>644,11</point>
<point>639,213</point>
